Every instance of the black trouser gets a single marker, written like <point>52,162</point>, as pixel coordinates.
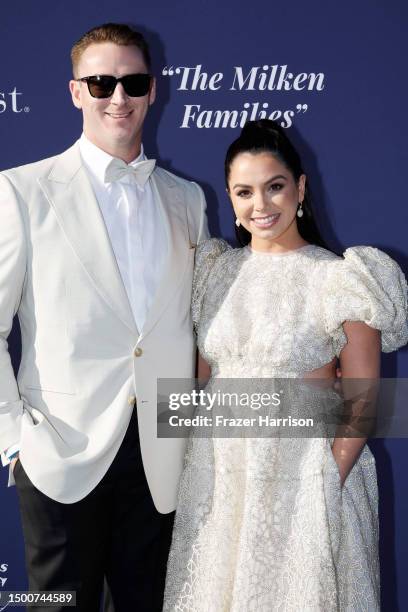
<point>115,531</point>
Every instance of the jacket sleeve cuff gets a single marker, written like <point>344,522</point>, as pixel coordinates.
<point>10,423</point>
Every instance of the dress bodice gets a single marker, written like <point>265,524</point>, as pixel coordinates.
<point>260,314</point>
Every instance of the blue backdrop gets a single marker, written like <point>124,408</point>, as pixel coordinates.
<point>346,101</point>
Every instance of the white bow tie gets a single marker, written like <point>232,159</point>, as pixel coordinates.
<point>118,170</point>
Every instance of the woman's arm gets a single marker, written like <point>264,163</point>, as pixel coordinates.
<point>203,369</point>
<point>359,359</point>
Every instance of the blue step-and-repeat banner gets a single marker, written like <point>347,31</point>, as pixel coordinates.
<point>333,73</point>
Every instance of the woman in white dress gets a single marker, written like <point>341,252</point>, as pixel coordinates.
<point>282,524</point>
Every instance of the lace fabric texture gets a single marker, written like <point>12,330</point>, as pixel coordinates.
<point>263,524</point>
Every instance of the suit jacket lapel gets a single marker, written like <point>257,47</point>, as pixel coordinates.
<point>69,192</point>
<point>170,199</point>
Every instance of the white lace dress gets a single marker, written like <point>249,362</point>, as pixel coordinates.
<point>263,525</point>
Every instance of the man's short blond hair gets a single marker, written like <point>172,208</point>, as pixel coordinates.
<point>117,33</point>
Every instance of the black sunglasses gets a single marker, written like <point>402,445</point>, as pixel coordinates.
<point>103,86</point>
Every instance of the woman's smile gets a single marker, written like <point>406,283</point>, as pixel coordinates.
<point>266,222</point>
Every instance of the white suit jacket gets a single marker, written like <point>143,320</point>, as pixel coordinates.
<point>83,359</point>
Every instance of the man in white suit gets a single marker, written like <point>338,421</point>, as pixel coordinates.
<point>96,258</point>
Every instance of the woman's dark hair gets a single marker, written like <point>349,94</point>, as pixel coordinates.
<point>267,136</point>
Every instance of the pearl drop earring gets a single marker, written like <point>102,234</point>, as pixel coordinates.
<point>237,222</point>
<point>300,210</point>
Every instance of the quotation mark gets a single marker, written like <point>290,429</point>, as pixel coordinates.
<point>169,71</point>
<point>301,108</point>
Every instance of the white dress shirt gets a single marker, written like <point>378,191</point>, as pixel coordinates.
<point>134,226</point>
<point>135,229</point>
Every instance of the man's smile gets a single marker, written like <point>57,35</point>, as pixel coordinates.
<point>119,115</point>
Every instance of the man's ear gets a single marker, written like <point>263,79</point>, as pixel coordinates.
<point>76,93</point>
<point>152,92</point>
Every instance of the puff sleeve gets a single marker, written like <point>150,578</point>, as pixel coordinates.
<point>367,285</point>
<point>207,253</point>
